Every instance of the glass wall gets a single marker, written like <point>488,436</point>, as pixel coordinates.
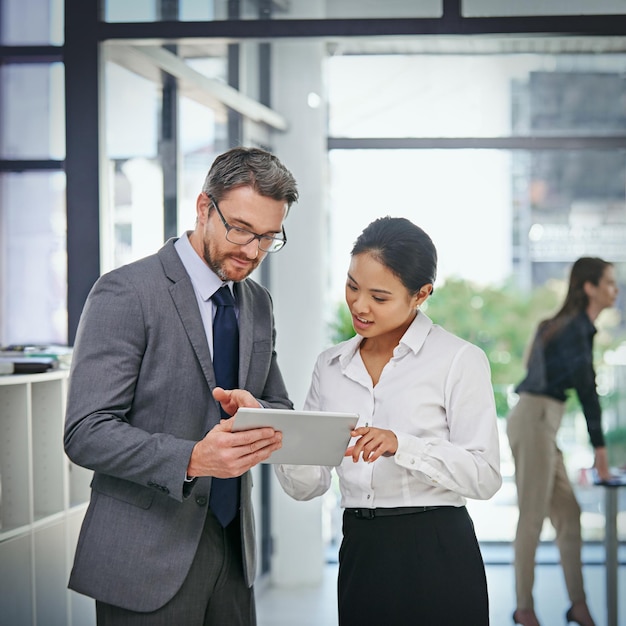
<point>488,8</point>
<point>31,22</point>
<point>508,223</point>
<point>473,95</point>
<point>133,220</point>
<point>206,10</point>
<point>32,125</point>
<point>33,260</point>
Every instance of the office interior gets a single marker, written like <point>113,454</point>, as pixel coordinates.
<point>497,126</point>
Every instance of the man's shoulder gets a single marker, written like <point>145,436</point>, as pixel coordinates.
<point>252,289</point>
<point>145,271</point>
<point>140,267</point>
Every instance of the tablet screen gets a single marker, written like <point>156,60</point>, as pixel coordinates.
<point>309,437</point>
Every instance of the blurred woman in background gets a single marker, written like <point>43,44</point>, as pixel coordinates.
<point>561,358</point>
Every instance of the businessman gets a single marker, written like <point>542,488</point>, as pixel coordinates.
<point>168,537</point>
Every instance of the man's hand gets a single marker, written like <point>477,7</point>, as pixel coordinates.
<point>225,454</point>
<point>232,399</point>
<point>372,444</point>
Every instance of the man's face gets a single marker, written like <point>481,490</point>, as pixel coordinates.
<point>244,208</point>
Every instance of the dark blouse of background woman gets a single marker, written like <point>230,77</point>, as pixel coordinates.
<point>561,359</point>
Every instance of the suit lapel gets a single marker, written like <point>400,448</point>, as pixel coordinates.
<point>184,298</point>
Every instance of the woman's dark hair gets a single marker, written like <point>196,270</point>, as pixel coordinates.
<point>402,247</point>
<point>251,167</point>
<point>585,270</point>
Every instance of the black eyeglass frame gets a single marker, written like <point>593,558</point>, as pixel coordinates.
<point>253,236</point>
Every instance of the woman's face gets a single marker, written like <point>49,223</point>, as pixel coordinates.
<point>604,294</point>
<point>377,299</point>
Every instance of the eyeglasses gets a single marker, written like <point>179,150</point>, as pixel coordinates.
<point>242,237</point>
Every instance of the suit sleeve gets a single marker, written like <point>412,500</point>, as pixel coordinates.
<point>109,351</point>
<point>583,377</point>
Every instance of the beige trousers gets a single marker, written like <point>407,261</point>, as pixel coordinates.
<point>543,490</point>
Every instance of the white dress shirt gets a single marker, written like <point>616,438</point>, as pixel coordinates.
<point>205,283</point>
<point>435,394</point>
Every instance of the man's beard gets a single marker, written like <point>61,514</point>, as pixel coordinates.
<point>217,265</point>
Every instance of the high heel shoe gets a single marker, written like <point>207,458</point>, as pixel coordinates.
<point>526,617</point>
<point>587,620</point>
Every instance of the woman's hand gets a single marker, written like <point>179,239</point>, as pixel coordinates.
<point>601,464</point>
<point>372,444</point>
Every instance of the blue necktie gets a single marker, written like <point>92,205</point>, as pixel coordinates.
<point>224,497</point>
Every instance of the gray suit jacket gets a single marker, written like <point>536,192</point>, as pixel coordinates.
<point>139,399</point>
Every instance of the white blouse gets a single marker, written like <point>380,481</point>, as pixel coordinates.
<point>435,394</point>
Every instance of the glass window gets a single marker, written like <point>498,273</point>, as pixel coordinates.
<point>476,95</point>
<point>367,9</point>
<point>136,11</point>
<point>448,193</point>
<point>573,203</point>
<point>31,22</point>
<point>505,224</point>
<point>203,135</point>
<point>205,10</point>
<point>197,10</point>
<point>133,219</point>
<point>501,8</point>
<point>32,114</point>
<point>133,225</point>
<point>33,259</point>
<point>529,213</point>
<point>132,109</point>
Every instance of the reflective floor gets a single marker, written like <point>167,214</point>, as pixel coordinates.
<point>317,606</point>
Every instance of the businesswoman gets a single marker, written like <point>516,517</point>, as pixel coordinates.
<point>426,440</point>
<point>561,358</point>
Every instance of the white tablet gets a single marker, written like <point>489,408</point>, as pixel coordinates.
<point>309,437</point>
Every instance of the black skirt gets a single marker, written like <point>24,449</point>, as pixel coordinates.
<point>421,569</point>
